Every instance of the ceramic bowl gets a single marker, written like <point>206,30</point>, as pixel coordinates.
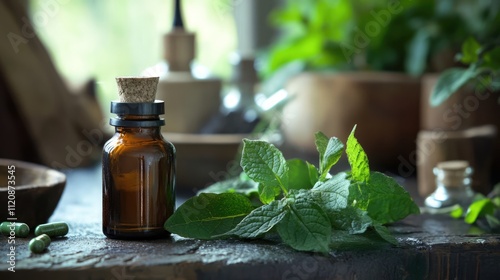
<point>204,159</point>
<point>37,191</point>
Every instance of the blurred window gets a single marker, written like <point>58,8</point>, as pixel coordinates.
<point>109,38</point>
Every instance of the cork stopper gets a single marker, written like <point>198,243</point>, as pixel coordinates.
<point>453,173</point>
<point>137,89</point>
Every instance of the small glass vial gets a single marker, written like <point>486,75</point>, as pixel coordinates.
<point>138,167</point>
<point>453,185</point>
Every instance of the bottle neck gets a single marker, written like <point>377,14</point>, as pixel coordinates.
<point>138,117</point>
<point>137,121</point>
<point>145,131</point>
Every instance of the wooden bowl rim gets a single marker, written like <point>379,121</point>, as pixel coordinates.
<point>56,176</point>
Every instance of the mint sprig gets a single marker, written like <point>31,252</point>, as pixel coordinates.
<point>308,208</point>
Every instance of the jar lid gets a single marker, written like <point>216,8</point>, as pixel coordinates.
<point>139,109</point>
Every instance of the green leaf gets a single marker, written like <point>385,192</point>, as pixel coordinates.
<point>383,198</point>
<point>313,173</point>
<point>332,194</point>
<point>260,220</point>
<point>479,208</point>
<point>305,227</point>
<point>492,59</point>
<point>493,222</point>
<point>290,14</point>
<point>329,150</point>
<point>233,185</point>
<point>360,170</point>
<point>302,48</point>
<point>207,215</point>
<point>470,51</point>
<point>359,195</point>
<point>268,193</point>
<point>457,212</point>
<point>418,51</point>
<point>496,201</point>
<point>350,219</point>
<point>300,175</point>
<point>265,164</point>
<point>449,82</point>
<point>385,234</point>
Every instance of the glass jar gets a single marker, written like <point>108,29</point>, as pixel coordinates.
<point>138,167</point>
<point>453,185</point>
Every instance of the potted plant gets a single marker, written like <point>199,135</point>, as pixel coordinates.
<point>483,71</point>
<point>350,61</point>
<point>459,100</point>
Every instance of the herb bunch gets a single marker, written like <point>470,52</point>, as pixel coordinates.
<point>308,208</point>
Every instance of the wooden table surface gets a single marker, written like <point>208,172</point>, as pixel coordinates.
<point>431,247</point>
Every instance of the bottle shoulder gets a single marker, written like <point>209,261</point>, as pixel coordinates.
<point>119,145</point>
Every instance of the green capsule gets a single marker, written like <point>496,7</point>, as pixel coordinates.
<point>39,243</point>
<point>14,229</point>
<point>52,229</point>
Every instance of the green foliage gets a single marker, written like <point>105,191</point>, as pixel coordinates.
<point>260,221</point>
<point>208,215</point>
<point>267,193</point>
<point>305,227</point>
<point>470,51</point>
<point>483,71</point>
<point>405,36</point>
<point>330,151</point>
<point>357,159</point>
<point>457,212</point>
<point>333,193</point>
<point>309,209</point>
<point>265,164</point>
<point>301,174</point>
<point>373,195</point>
<point>310,31</point>
<point>241,184</point>
<point>480,207</point>
<point>483,211</point>
<point>450,82</point>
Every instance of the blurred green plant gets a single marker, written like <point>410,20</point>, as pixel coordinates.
<point>483,211</point>
<point>483,70</point>
<point>405,36</point>
<point>310,33</point>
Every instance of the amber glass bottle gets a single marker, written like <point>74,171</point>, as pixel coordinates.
<point>138,173</point>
